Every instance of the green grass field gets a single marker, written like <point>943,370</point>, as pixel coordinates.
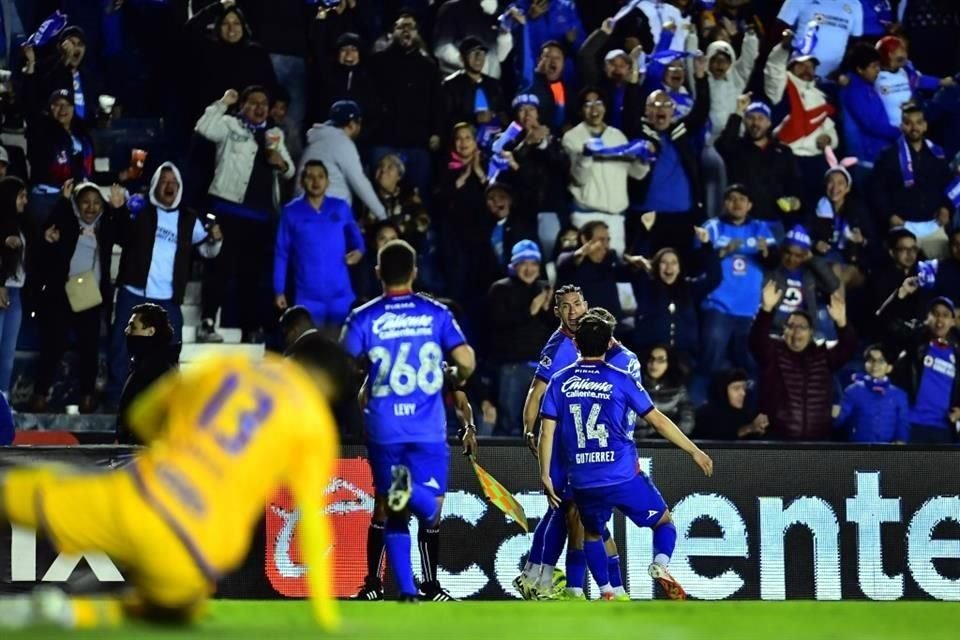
<point>662,620</point>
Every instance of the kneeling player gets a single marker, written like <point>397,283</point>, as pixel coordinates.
<point>223,436</point>
<point>586,405</point>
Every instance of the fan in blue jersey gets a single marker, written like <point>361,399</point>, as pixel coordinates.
<point>403,338</point>
<point>538,579</point>
<point>585,407</point>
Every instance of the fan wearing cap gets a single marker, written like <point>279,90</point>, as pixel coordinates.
<point>809,125</point>
<point>619,76</point>
<point>78,238</point>
<point>59,149</point>
<point>836,22</point>
<point>62,74</point>
<point>802,276</point>
<point>866,129</point>
<point>461,20</point>
<point>520,320</point>
<point>334,144</point>
<point>928,369</point>
<point>470,95</point>
<point>763,164</point>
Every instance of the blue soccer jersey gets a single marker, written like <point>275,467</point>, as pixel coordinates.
<point>404,337</point>
<point>559,353</point>
<point>738,293</point>
<point>589,402</point>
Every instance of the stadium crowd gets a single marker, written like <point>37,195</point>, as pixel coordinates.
<point>764,194</point>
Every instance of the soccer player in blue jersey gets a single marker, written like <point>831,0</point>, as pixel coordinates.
<point>585,406</point>
<point>403,338</point>
<point>558,526</point>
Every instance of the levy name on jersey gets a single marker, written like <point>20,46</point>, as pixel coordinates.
<point>590,402</point>
<point>404,337</point>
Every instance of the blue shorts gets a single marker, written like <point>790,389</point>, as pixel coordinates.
<point>637,499</point>
<point>558,476</point>
<point>429,462</point>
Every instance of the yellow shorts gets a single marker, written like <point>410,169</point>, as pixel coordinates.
<point>82,511</point>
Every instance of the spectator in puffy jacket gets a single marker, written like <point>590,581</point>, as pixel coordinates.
<point>664,379</point>
<point>873,409</point>
<point>726,416</point>
<point>796,375</point>
<point>866,129</point>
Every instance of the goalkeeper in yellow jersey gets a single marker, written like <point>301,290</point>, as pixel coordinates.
<point>222,437</point>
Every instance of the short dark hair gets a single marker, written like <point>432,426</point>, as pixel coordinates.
<point>802,314</point>
<point>252,89</point>
<point>603,315</point>
<point>313,162</point>
<point>295,316</point>
<point>564,290</point>
<point>582,96</point>
<point>888,354</point>
<point>897,234</point>
<point>397,260</point>
<point>154,316</point>
<point>316,351</point>
<point>593,336</point>
<point>862,56</point>
<point>590,228</point>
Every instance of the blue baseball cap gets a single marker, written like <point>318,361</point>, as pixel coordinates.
<point>759,107</point>
<point>343,112</point>
<point>943,301</point>
<point>799,237</point>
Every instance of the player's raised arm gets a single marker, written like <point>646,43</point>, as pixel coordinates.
<point>531,410</point>
<point>666,428</point>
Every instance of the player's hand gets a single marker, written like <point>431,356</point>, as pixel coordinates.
<point>531,442</point>
<point>469,440</point>
<point>551,494</point>
<point>281,301</point>
<point>703,461</point>
<point>771,295</point>
<point>353,257</point>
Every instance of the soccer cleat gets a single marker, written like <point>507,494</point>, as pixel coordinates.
<point>568,595</point>
<point>207,333</point>
<point>435,593</point>
<point>669,584</point>
<point>523,587</point>
<point>559,579</point>
<point>609,596</point>
<point>371,591</point>
<point>622,597</point>
<point>400,488</point>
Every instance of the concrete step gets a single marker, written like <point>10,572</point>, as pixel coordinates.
<point>192,352</point>
<point>191,315</point>
<point>192,293</point>
<point>230,336</point>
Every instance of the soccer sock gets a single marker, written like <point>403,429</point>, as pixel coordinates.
<point>664,541</point>
<point>597,561</point>
<point>554,538</point>
<point>423,503</point>
<point>613,566</point>
<point>576,568</point>
<point>375,550</point>
<point>536,547</point>
<point>397,538</point>
<point>429,540</point>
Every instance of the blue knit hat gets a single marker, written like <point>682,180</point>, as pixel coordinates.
<point>799,237</point>
<point>525,250</point>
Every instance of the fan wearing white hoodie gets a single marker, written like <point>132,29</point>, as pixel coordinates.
<point>728,76</point>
